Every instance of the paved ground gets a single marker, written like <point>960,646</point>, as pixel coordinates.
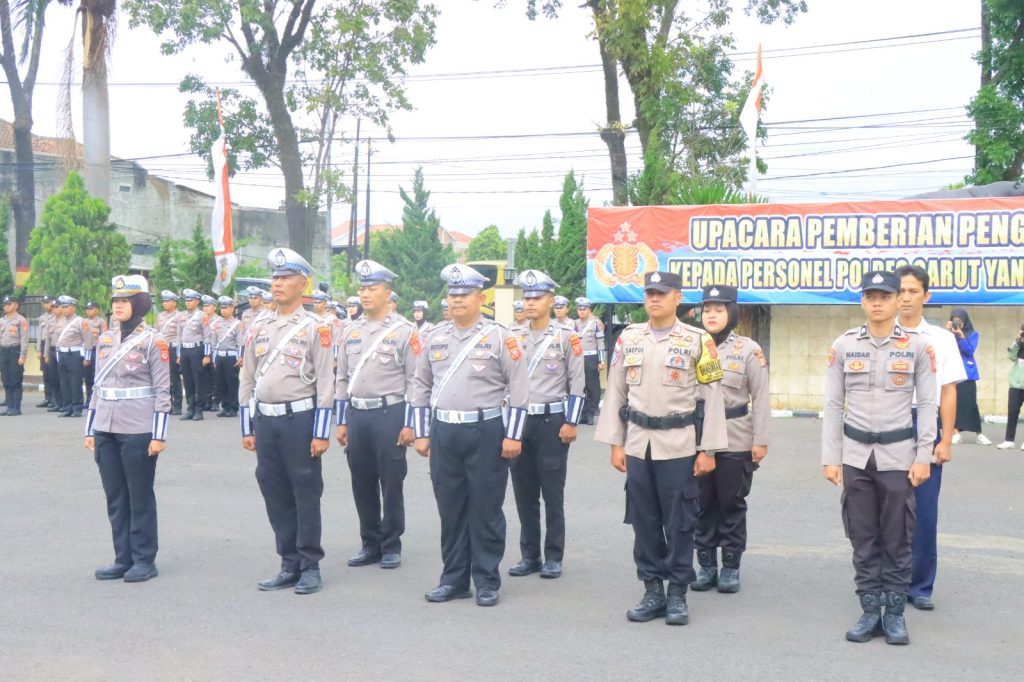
<point>204,619</point>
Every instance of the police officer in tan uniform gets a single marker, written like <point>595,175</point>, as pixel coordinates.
<point>554,357</point>
<point>562,313</point>
<point>748,409</point>
<point>519,313</point>
<point>126,427</point>
<point>870,448</point>
<point>167,323</point>
<point>660,370</point>
<point>255,298</point>
<point>53,328</point>
<point>469,403</point>
<point>591,333</point>
<point>13,351</point>
<point>375,374</point>
<point>287,395</point>
<point>210,397</point>
<point>191,351</point>
<point>43,324</point>
<point>446,314</point>
<point>74,341</point>
<point>98,326</point>
<point>226,341</point>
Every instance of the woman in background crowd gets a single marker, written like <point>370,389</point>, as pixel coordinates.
<point>1016,397</point>
<point>968,418</point>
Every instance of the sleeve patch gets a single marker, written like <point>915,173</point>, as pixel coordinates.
<point>708,368</point>
<point>759,354</point>
<point>577,345</point>
<point>831,357</point>
<point>165,353</point>
<point>931,356</point>
<point>513,347</point>
<point>325,336</point>
<point>617,352</point>
<point>414,343</point>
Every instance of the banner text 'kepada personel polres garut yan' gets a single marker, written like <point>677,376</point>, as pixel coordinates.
<point>973,249</point>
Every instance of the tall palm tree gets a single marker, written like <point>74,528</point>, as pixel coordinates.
<point>98,29</point>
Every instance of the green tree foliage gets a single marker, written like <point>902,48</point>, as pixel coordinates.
<point>547,241</point>
<point>414,253</point>
<point>488,245</point>
<point>195,266</point>
<point>6,277</point>
<point>998,107</point>
<point>674,56</point>
<point>75,249</point>
<point>164,274</point>
<point>570,263</point>
<point>342,285</point>
<point>311,61</point>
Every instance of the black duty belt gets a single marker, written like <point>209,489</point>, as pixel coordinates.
<point>668,421</point>
<point>882,438</point>
<point>736,412</point>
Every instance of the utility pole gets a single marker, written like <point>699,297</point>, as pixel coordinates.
<point>352,249</point>
<point>366,232</point>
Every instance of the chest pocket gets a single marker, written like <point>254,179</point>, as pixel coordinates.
<point>733,378</point>
<point>857,375</point>
<point>676,370</point>
<point>293,356</point>
<point>899,375</point>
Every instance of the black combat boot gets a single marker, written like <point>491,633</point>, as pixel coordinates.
<point>893,623</point>
<point>729,578</point>
<point>652,605</point>
<point>870,623</point>
<point>676,612</point>
<point>707,576</point>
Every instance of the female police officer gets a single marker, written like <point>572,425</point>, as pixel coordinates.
<point>723,506</point>
<point>126,427</point>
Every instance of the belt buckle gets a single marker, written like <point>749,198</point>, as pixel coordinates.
<point>654,423</point>
<point>876,437</point>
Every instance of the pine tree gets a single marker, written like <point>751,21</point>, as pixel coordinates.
<point>75,249</point>
<point>164,275</point>
<point>522,251</point>
<point>6,278</point>
<point>570,261</point>
<point>195,267</point>
<point>415,253</point>
<point>547,243</point>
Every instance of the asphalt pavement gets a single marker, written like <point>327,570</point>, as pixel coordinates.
<point>203,617</point>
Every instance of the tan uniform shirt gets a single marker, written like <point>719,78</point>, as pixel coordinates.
<point>663,377</point>
<point>98,325</point>
<point>389,370</point>
<point>74,332</point>
<point>745,380</point>
<point>43,331</point>
<point>53,329</point>
<point>249,315</point>
<point>491,375</point>
<point>225,336</point>
<point>192,329</point>
<point>301,367</point>
<point>146,364</point>
<point>870,385</point>
<point>14,332</point>
<point>592,335</point>
<point>557,374</point>
<point>167,323</point>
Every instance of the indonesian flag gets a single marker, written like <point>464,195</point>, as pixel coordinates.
<point>749,116</point>
<point>220,223</point>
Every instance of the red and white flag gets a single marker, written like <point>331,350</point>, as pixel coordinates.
<point>220,224</point>
<point>748,119</point>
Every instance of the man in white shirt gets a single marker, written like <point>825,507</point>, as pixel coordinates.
<point>913,296</point>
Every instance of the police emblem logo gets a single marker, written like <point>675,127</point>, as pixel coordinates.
<point>831,357</point>
<point>364,269</point>
<point>856,365</point>
<point>279,258</point>
<point>632,374</point>
<point>899,379</point>
<point>714,292</point>
<point>877,279</point>
<point>119,283</point>
<point>455,274</point>
<point>655,278</point>
<point>530,278</point>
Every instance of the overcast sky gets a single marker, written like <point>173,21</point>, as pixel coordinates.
<point>510,182</point>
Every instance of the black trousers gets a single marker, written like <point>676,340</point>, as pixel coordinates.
<point>469,478</point>
<point>1014,401</point>
<point>592,376</point>
<point>194,377</point>
<point>13,375</point>
<point>878,515</point>
<point>127,472</point>
<point>378,467</point>
<point>540,472</point>
<point>51,379</point>
<point>292,483</point>
<point>662,505</point>
<point>227,382</point>
<point>70,367</point>
<point>209,394</point>
<point>89,375</point>
<point>175,380</point>
<point>723,506</point>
